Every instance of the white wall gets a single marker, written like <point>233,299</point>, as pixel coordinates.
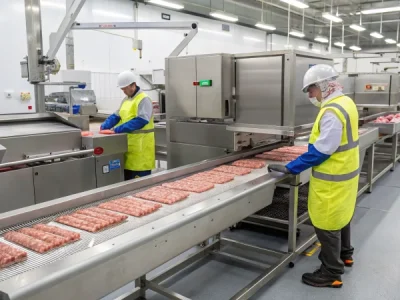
<point>108,54</point>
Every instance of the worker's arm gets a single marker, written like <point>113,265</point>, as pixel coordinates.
<point>110,122</point>
<point>145,112</point>
<point>329,140</point>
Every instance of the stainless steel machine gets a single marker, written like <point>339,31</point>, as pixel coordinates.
<point>59,101</point>
<point>221,103</point>
<point>44,157</point>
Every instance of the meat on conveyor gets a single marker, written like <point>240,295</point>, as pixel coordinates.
<point>70,235</point>
<point>189,185</point>
<point>130,206</point>
<point>27,241</point>
<point>163,195</point>
<point>55,241</point>
<point>10,255</point>
<point>233,170</point>
<point>249,163</point>
<point>213,177</point>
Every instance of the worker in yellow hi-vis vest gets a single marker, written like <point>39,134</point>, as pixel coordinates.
<point>333,155</point>
<point>134,117</point>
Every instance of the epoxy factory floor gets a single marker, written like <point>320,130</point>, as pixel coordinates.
<point>375,275</point>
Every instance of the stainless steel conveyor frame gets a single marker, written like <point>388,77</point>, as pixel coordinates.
<point>97,269</point>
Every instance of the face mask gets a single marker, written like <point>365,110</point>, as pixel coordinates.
<point>315,102</point>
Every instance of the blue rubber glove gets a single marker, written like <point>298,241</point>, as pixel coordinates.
<point>278,168</point>
<point>307,160</point>
<point>110,122</point>
<point>132,125</point>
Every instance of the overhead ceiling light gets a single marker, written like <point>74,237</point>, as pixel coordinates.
<point>224,16</point>
<point>355,48</point>
<point>296,3</point>
<point>288,46</point>
<point>297,33</point>
<point>303,47</point>
<point>265,26</point>
<point>390,41</point>
<point>316,50</point>
<point>321,39</point>
<point>376,35</point>
<point>357,27</point>
<point>380,10</point>
<point>52,4</point>
<point>105,13</point>
<point>253,39</point>
<point>331,17</point>
<point>167,4</point>
<point>340,44</point>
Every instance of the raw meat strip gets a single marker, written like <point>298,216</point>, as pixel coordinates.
<point>111,220</point>
<point>86,133</point>
<point>137,204</point>
<point>213,177</point>
<point>121,209</point>
<point>89,219</point>
<point>233,170</point>
<point>6,260</point>
<point>135,211</point>
<point>78,223</point>
<point>70,235</point>
<point>18,254</point>
<point>276,157</point>
<point>27,241</point>
<point>143,203</point>
<point>190,185</point>
<point>52,239</point>
<point>249,163</point>
<point>106,131</point>
<point>107,213</point>
<point>163,195</point>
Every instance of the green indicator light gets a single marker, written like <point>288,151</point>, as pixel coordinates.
<point>205,82</point>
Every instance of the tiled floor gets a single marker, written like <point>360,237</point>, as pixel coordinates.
<point>375,275</point>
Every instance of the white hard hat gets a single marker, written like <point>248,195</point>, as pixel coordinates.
<point>317,74</point>
<point>126,78</point>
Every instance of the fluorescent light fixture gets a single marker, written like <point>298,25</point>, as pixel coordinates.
<point>316,50</point>
<point>215,32</point>
<point>376,34</point>
<point>390,41</point>
<point>355,48</point>
<point>265,26</point>
<point>321,39</point>
<point>398,45</point>
<point>296,3</point>
<point>224,16</point>
<point>288,46</point>
<point>340,44</point>
<point>253,39</point>
<point>331,17</point>
<point>167,4</point>
<point>303,47</point>
<point>357,27</point>
<point>380,10</point>
<point>105,13</point>
<point>297,33</point>
<point>53,4</point>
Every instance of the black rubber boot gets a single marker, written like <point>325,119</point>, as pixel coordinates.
<point>348,262</point>
<point>318,279</point>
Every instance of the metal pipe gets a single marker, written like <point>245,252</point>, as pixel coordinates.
<point>288,25</point>
<point>45,158</point>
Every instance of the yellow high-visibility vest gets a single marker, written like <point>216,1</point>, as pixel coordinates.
<point>334,183</point>
<point>141,143</point>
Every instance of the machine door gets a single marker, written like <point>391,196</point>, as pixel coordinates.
<point>181,92</point>
<point>16,189</point>
<point>61,179</point>
<point>109,169</point>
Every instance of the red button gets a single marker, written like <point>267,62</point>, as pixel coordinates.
<point>30,107</point>
<point>196,83</point>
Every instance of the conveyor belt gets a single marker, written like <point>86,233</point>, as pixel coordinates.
<point>279,209</point>
<point>88,240</point>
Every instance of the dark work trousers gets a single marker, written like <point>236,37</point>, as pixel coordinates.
<point>335,246</point>
<point>129,175</point>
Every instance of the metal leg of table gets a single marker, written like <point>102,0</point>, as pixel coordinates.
<point>370,172</point>
<point>293,206</point>
<point>395,142</point>
<point>164,291</point>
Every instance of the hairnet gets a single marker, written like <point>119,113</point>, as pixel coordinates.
<point>328,87</point>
